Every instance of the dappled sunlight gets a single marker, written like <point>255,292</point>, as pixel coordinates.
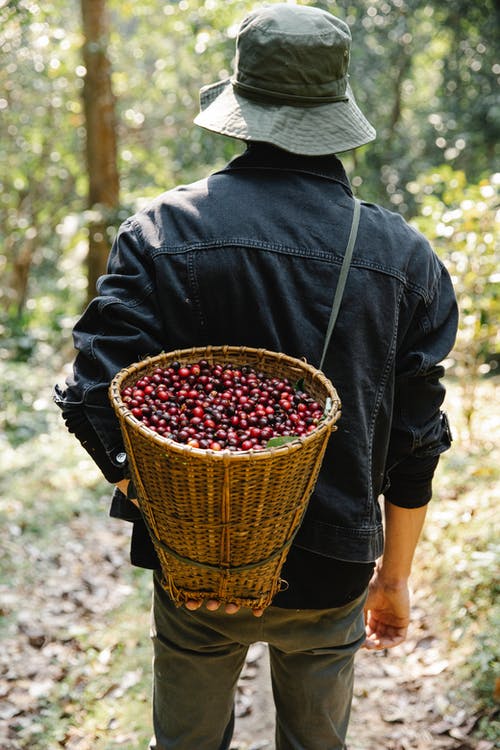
<point>78,614</point>
<point>75,666</point>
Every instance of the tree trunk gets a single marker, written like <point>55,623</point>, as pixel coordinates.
<point>403,67</point>
<point>99,106</point>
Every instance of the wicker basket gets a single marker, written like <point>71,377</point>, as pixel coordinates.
<point>222,522</point>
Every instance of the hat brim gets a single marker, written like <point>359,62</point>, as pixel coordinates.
<point>324,129</point>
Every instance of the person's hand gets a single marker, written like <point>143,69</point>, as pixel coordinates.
<point>387,613</point>
<point>214,604</point>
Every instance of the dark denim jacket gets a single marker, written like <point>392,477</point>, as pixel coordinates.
<point>251,256</point>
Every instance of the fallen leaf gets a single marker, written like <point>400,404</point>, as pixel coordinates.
<point>431,670</point>
<point>243,705</point>
<point>8,710</point>
<point>255,652</point>
<point>441,727</point>
<point>394,717</point>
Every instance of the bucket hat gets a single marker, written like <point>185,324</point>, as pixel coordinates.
<point>290,85</point>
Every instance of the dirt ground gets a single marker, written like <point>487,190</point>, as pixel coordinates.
<point>400,700</point>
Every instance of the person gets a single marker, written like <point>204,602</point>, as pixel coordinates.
<point>251,256</point>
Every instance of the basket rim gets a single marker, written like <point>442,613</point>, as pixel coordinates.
<point>291,446</point>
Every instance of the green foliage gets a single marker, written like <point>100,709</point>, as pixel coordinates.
<point>23,413</point>
<point>40,150</point>
<point>461,220</point>
<point>469,110</point>
<point>423,72</point>
<point>426,74</point>
<point>189,44</point>
<point>461,533</point>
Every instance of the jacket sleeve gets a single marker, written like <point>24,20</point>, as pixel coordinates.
<point>420,430</point>
<point>121,325</point>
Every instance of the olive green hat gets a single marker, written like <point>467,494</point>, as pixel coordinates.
<point>290,85</point>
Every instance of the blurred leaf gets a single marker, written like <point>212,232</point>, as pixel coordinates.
<point>276,442</point>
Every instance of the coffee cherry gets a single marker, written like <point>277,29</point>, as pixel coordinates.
<point>220,406</point>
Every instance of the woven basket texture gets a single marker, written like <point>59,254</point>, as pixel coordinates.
<point>222,522</point>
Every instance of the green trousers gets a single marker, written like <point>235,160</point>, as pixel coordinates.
<point>198,657</point>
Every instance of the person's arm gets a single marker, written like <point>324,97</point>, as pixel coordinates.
<point>387,610</point>
<point>122,324</point>
<point>419,435</point>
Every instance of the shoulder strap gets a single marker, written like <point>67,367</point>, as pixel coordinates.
<point>339,292</point>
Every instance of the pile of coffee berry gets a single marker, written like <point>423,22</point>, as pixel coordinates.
<point>221,407</point>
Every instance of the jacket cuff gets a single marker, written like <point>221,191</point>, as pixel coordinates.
<point>411,482</point>
<point>122,508</point>
<point>112,473</point>
<point>113,467</point>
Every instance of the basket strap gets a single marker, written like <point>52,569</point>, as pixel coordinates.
<point>228,568</point>
<point>209,566</point>
<point>339,292</point>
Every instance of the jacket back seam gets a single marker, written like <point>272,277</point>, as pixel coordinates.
<point>332,258</point>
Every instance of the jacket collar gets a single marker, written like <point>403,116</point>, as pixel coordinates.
<point>266,156</point>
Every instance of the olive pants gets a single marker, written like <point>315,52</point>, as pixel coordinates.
<point>198,657</point>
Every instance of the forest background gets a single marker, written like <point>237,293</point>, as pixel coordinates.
<point>96,108</point>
